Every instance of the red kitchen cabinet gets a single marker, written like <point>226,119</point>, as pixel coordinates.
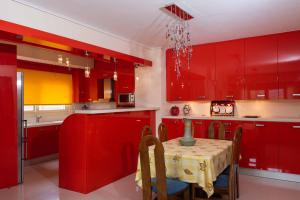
<point>288,65</point>
<point>249,148</point>
<point>178,87</point>
<point>230,128</point>
<point>261,70</point>
<point>41,141</point>
<point>200,128</point>
<point>126,77</point>
<point>81,87</point>
<point>96,150</point>
<point>289,159</point>
<point>175,128</point>
<point>267,143</point>
<point>8,116</point>
<point>230,70</point>
<point>203,73</point>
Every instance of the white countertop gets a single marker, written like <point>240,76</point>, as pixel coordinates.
<point>40,124</point>
<point>115,110</point>
<point>236,118</point>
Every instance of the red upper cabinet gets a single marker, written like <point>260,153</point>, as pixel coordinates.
<point>202,73</point>
<point>289,65</point>
<point>126,77</point>
<point>178,87</point>
<point>230,70</point>
<point>261,71</point>
<point>289,159</point>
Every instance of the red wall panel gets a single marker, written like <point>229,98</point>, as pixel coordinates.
<point>8,116</point>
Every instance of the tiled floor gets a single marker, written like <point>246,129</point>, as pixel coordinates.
<point>41,184</point>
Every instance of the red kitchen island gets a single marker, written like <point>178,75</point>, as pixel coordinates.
<point>98,147</point>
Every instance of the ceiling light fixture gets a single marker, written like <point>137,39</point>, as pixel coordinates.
<point>87,72</point>
<point>68,62</point>
<point>60,59</point>
<point>178,37</point>
<point>115,76</point>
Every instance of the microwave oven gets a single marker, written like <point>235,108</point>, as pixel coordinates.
<point>126,100</point>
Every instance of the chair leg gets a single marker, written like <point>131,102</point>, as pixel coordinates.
<point>193,191</point>
<point>186,194</point>
<point>237,182</point>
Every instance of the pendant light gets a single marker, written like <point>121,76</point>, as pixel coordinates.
<point>87,72</point>
<point>115,76</point>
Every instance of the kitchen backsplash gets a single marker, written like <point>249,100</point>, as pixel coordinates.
<point>263,108</point>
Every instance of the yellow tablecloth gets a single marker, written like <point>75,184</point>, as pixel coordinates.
<point>200,164</point>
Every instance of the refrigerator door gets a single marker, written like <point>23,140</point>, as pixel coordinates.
<point>21,138</point>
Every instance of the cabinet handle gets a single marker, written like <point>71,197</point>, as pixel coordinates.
<point>138,120</point>
<point>227,124</point>
<point>296,95</point>
<point>259,125</point>
<point>179,97</point>
<point>227,132</point>
<point>126,87</point>
<point>201,97</point>
<point>229,96</point>
<point>198,122</point>
<point>296,126</point>
<point>261,95</point>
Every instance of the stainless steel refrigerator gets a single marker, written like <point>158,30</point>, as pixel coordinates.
<point>21,124</point>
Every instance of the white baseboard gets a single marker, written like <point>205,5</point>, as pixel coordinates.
<point>270,174</point>
<point>41,159</point>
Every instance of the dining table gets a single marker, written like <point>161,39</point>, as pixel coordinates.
<point>200,164</point>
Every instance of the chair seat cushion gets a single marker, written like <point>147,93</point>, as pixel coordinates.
<point>226,171</point>
<point>173,186</point>
<point>222,181</point>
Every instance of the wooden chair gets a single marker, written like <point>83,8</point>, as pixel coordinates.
<point>162,132</point>
<point>147,130</point>
<point>227,181</point>
<point>165,188</point>
<point>221,130</point>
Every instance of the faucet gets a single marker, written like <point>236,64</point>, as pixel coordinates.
<point>38,118</point>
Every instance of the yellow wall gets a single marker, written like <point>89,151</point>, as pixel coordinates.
<point>46,87</point>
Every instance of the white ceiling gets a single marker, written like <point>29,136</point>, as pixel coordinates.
<point>214,20</point>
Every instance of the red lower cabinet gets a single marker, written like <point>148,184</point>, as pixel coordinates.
<point>249,148</point>
<point>200,128</point>
<point>289,149</point>
<point>41,141</point>
<point>268,145</point>
<point>175,128</point>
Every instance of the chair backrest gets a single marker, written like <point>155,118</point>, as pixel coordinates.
<point>147,130</point>
<point>159,168</point>
<point>237,140</point>
<point>221,130</point>
<point>162,132</point>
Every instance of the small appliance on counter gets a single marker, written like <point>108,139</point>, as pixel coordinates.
<point>186,109</point>
<point>174,111</point>
<point>126,100</point>
<point>222,108</point>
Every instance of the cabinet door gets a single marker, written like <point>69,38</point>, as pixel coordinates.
<point>199,128</point>
<point>178,87</point>
<point>202,73</point>
<point>289,159</point>
<point>126,78</point>
<point>288,65</point>
<point>249,149</point>
<point>42,141</point>
<point>267,145</point>
<point>230,128</point>
<point>230,70</point>
<point>261,71</point>
<point>175,128</point>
